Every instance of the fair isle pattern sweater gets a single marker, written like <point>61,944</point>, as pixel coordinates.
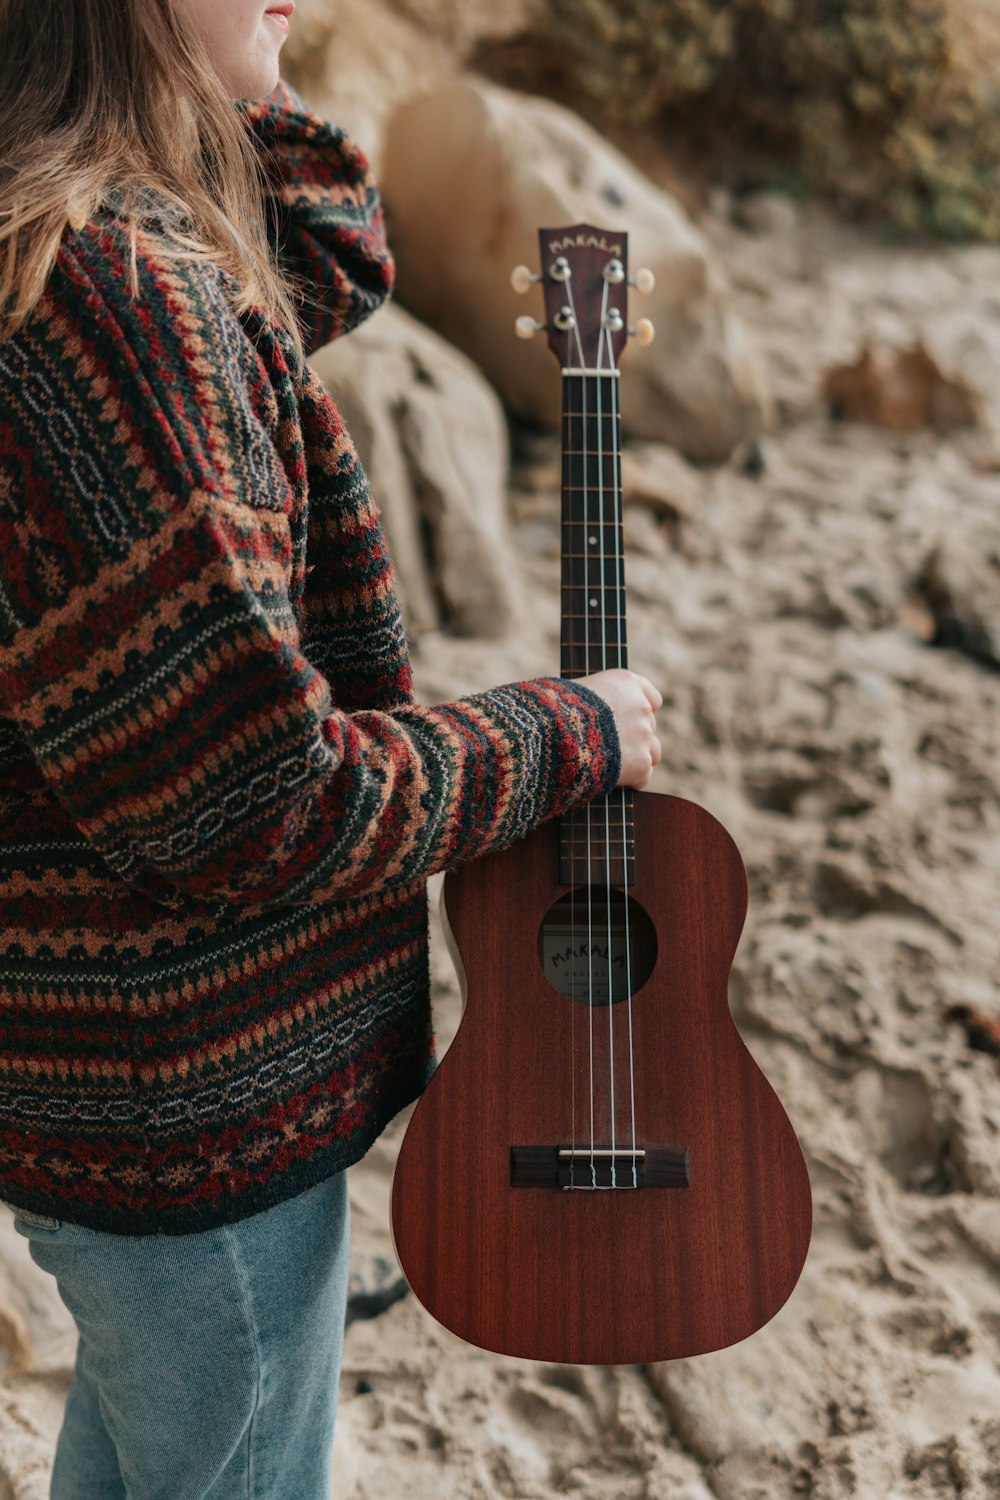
<point>219,802</point>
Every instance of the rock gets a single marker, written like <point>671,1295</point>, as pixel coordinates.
<point>982,1031</point>
<point>655,476</point>
<point>432,437</point>
<point>461,24</point>
<point>642,532</point>
<point>373,1290</point>
<point>720,202</point>
<point>356,63</point>
<point>768,213</point>
<point>470,172</point>
<point>955,599</point>
<point>901,388</point>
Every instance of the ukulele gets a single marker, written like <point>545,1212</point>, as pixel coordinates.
<point>598,1172</point>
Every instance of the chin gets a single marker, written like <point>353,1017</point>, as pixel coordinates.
<point>256,82</point>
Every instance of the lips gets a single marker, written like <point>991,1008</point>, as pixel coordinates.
<point>279,14</point>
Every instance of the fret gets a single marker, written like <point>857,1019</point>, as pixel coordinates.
<point>600,838</point>
<point>600,827</point>
<point>613,854</point>
<point>581,812</point>
<point>595,615</point>
<point>599,858</point>
<point>594,650</point>
<point>606,827</point>
<point>610,826</point>
<point>604,830</point>
<point>597,655</point>
<point>581,602</point>
<point>599,854</point>
<point>600,842</point>
<point>610,820</point>
<point>611,652</point>
<point>590,583</point>
<point>584,829</point>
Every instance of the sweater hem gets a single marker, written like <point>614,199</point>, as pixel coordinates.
<point>198,1219</point>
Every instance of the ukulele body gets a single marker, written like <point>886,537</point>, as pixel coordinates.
<point>612,1275</point>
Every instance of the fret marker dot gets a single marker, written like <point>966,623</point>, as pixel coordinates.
<point>593,603</point>
<point>593,541</point>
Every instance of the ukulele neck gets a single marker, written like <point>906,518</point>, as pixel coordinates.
<point>597,842</point>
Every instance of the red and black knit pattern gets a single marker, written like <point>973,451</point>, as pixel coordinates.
<point>219,803</point>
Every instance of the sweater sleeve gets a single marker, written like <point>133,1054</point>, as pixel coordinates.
<point>324,215</point>
<point>162,688</point>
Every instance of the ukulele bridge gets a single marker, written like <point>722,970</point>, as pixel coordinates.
<point>587,1169</point>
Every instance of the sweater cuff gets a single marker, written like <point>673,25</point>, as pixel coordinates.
<point>605,717</point>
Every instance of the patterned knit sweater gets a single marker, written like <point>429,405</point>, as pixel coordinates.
<point>219,802</point>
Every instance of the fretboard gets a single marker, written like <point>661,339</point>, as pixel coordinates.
<point>597,843</point>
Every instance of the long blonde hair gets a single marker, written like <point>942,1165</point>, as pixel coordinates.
<point>119,97</point>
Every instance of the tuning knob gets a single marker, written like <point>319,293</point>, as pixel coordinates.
<point>526,327</point>
<point>643,281</point>
<point>521,279</point>
<point>644,333</point>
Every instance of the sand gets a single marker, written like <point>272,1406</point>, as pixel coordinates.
<point>856,767</point>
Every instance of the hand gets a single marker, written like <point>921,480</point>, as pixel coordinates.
<point>633,700</point>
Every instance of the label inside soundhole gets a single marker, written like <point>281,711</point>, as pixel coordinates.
<point>596,944</point>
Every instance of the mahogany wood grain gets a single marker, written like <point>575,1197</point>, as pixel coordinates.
<point>607,1277</point>
<point>710,1246</point>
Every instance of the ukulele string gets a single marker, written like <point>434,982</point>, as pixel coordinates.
<point>616,415</point>
<point>575,328</point>
<point>604,663</point>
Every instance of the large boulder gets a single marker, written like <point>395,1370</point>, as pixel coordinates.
<point>356,63</point>
<point>433,440</point>
<point>470,171</point>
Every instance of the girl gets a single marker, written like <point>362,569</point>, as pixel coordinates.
<point>219,802</point>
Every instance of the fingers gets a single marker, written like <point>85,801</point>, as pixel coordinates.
<point>638,728</point>
<point>655,700</point>
<point>652,692</point>
<point>655,750</point>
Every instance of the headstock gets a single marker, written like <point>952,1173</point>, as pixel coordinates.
<point>584,280</point>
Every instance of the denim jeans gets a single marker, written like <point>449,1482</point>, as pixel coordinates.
<point>208,1364</point>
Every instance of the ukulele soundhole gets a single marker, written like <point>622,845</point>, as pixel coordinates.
<point>596,945</point>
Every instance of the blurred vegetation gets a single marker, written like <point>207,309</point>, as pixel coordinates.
<point>871,102</point>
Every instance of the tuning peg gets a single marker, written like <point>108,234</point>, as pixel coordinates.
<point>644,333</point>
<point>521,279</point>
<point>643,281</point>
<point>526,327</point>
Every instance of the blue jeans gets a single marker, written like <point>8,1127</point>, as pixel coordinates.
<point>208,1364</point>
